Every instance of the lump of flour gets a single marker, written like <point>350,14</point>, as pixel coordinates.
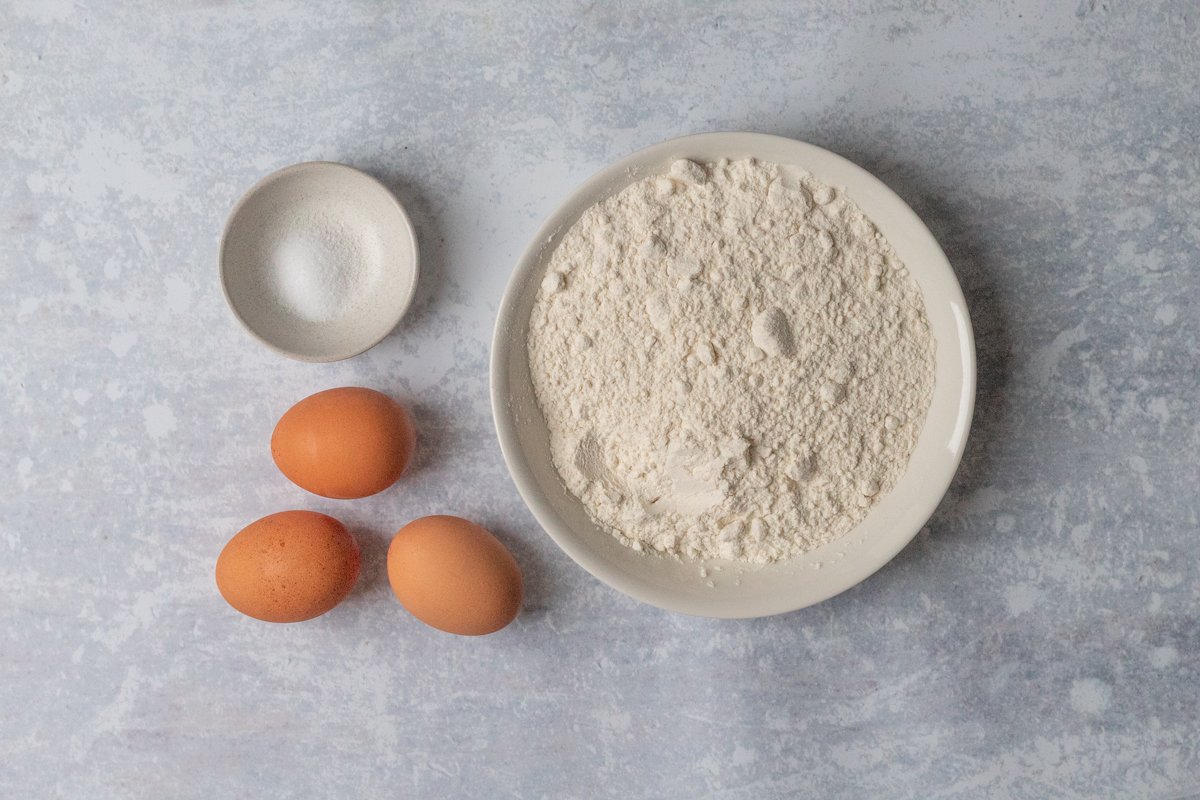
<point>772,333</point>
<point>731,360</point>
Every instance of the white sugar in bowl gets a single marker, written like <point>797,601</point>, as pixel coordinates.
<point>319,261</point>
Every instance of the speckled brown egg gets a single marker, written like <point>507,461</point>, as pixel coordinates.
<point>288,567</point>
<point>344,443</point>
<point>454,575</point>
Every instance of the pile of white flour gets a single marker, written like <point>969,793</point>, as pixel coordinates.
<point>731,360</point>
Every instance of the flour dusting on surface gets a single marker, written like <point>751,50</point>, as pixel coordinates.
<point>731,360</point>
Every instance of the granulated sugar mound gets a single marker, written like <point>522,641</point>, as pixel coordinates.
<point>732,362</point>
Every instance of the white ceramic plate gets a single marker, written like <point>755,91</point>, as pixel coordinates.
<point>741,590</point>
<point>282,257</point>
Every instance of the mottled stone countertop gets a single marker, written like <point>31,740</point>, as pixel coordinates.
<point>1040,638</point>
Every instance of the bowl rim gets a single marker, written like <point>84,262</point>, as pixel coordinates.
<point>628,170</point>
<point>262,183</point>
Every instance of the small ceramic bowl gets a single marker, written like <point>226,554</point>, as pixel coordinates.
<point>319,261</point>
<point>731,589</point>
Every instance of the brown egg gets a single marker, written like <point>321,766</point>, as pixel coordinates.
<point>288,567</point>
<point>343,443</point>
<point>454,575</point>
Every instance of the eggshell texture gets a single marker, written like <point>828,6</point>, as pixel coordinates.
<point>344,443</point>
<point>288,567</point>
<point>454,575</point>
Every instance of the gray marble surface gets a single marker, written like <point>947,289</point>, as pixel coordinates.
<point>1041,638</point>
